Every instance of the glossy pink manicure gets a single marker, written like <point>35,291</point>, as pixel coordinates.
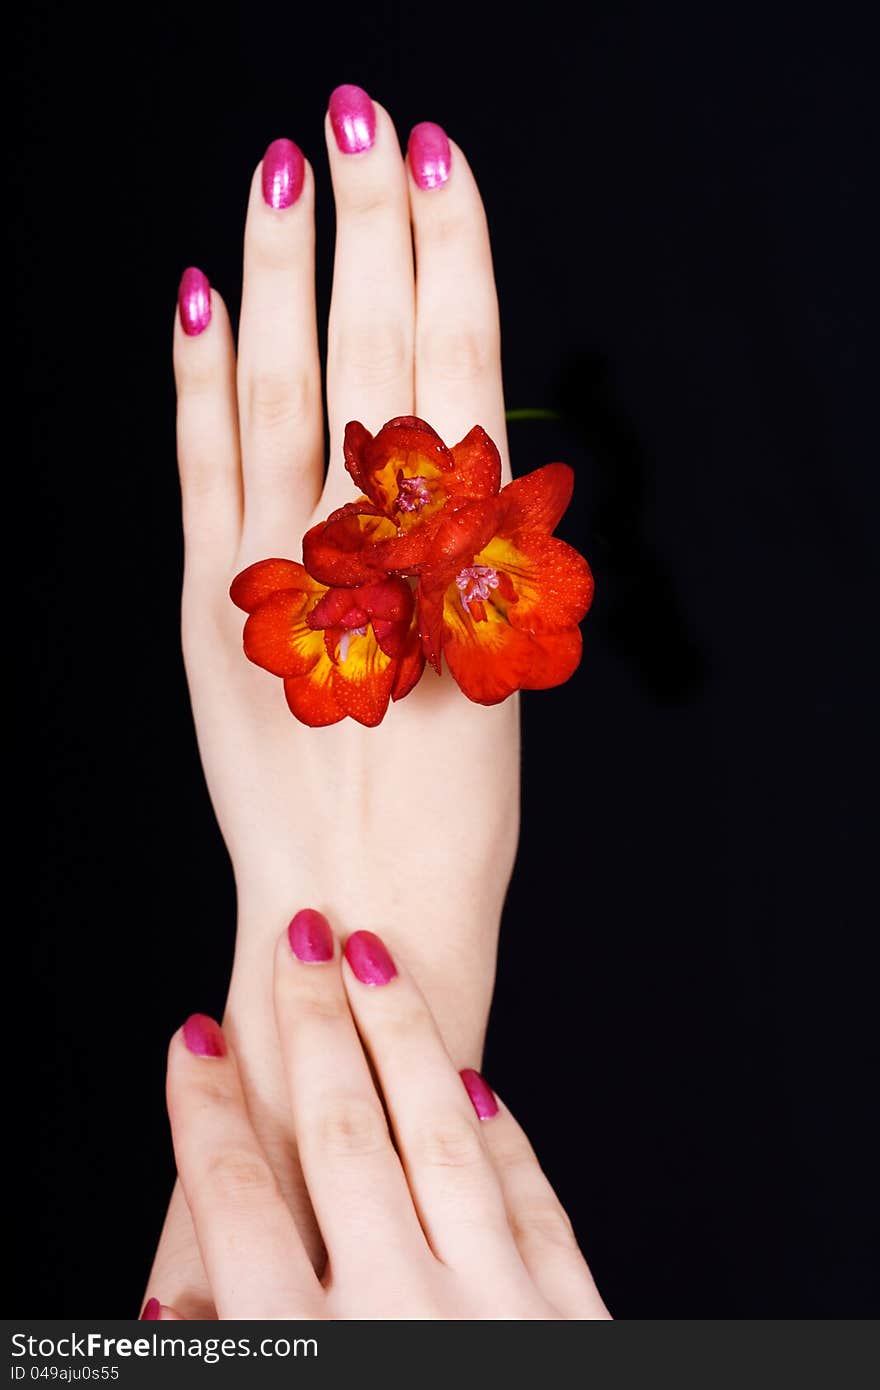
<point>429,155</point>
<point>369,958</point>
<point>480,1092</point>
<point>194,302</point>
<point>203,1036</point>
<point>152,1309</point>
<point>310,936</point>
<point>353,118</point>
<point>283,172</point>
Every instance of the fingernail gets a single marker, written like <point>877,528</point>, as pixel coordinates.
<point>284,169</point>
<point>369,959</point>
<point>353,118</point>
<point>429,155</point>
<point>203,1036</point>
<point>310,936</point>
<point>481,1093</point>
<point>194,302</point>
<point>152,1309</point>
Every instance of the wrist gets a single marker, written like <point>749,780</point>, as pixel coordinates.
<point>448,942</point>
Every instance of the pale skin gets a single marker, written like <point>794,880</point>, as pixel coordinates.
<point>453,1219</point>
<point>409,829</point>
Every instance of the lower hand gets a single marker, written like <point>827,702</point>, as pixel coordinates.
<point>445,1215</point>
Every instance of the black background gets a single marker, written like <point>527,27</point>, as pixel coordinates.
<point>683,1017</point>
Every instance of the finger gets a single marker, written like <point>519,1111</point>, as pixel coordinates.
<point>438,1135</point>
<point>538,1220</point>
<point>207,426</point>
<point>154,1311</point>
<point>355,1181</point>
<point>254,1258</point>
<point>178,1272</point>
<point>370,334</point>
<point>279,375</point>
<point>458,341</point>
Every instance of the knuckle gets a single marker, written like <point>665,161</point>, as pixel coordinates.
<point>364,197</point>
<point>543,1221</point>
<point>510,1157</point>
<point>320,1005</point>
<point>351,1128</point>
<point>463,353</point>
<point>277,399</point>
<point>198,374</point>
<point>240,1176</point>
<point>375,354</point>
<point>453,1144</point>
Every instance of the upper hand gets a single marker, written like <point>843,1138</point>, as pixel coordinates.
<point>432,794</point>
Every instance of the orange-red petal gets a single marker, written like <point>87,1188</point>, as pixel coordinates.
<point>340,550</point>
<point>491,659</point>
<point>538,500</point>
<point>277,637</point>
<point>312,700</point>
<point>254,585</point>
<point>406,446</point>
<point>552,580</point>
<point>477,471</point>
<point>409,668</point>
<point>451,538</point>
<point>555,657</point>
<point>362,683</point>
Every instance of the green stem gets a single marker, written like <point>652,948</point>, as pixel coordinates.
<point>532,414</point>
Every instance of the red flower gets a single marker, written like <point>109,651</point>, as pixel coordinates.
<point>339,651</point>
<point>499,596</point>
<point>409,478</point>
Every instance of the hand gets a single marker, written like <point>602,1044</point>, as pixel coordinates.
<point>427,804</point>
<point>452,1218</point>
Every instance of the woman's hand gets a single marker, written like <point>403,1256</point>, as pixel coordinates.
<point>414,823</point>
<point>446,1216</point>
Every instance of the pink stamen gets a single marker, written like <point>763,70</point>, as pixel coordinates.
<point>474,583</point>
<point>412,493</point>
<point>345,640</point>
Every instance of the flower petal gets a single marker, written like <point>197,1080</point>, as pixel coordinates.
<point>410,666</point>
<point>406,447</point>
<point>451,538</point>
<point>555,657</point>
<point>491,659</point>
<point>538,500</point>
<point>277,637</point>
<point>553,582</point>
<point>312,699</point>
<point>339,551</point>
<point>477,471</point>
<point>362,682</point>
<point>431,598</point>
<point>254,585</point>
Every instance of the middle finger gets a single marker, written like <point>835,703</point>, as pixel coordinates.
<point>372,312</point>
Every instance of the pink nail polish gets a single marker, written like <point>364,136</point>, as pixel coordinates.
<point>203,1036</point>
<point>353,118</point>
<point>194,302</point>
<point>152,1309</point>
<point>369,958</point>
<point>283,172</point>
<point>429,155</point>
<point>310,936</point>
<point>480,1092</point>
